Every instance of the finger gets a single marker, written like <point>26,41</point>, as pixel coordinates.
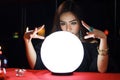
<point>89,35</point>
<point>85,25</point>
<point>30,37</point>
<point>41,37</point>
<point>35,31</point>
<point>27,29</point>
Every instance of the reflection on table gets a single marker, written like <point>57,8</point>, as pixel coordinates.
<point>46,75</point>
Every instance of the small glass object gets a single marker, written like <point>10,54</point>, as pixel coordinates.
<point>2,67</point>
<point>2,73</point>
<point>20,72</point>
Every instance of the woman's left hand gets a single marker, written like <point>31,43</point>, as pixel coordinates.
<point>36,33</point>
<point>93,33</point>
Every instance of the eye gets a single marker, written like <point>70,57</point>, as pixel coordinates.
<point>74,22</point>
<point>62,23</point>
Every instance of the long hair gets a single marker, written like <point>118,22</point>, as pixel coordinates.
<point>76,10</point>
<point>66,6</point>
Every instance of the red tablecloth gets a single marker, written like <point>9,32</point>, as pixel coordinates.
<point>46,75</point>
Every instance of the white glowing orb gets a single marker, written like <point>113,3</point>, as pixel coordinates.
<point>62,52</point>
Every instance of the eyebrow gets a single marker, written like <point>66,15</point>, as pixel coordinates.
<point>73,20</point>
<point>69,21</point>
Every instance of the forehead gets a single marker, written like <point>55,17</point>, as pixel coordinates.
<point>67,16</point>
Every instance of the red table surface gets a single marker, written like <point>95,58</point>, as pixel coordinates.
<point>46,75</point>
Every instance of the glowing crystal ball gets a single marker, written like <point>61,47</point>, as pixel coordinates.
<point>62,52</point>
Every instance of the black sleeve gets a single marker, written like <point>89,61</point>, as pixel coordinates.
<point>94,55</point>
<point>39,64</point>
<point>89,63</point>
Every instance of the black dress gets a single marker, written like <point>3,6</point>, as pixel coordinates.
<point>89,63</point>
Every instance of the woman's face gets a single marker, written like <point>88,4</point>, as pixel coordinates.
<point>68,22</point>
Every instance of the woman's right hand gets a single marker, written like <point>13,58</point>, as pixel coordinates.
<point>29,34</point>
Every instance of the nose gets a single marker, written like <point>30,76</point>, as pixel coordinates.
<point>68,28</point>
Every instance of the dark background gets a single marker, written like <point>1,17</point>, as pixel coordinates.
<point>16,15</point>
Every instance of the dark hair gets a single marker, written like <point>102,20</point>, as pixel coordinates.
<point>75,9</point>
<point>66,6</point>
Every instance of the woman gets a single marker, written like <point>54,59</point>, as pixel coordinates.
<point>68,18</point>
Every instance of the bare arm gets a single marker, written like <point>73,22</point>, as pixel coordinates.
<point>30,51</point>
<point>102,61</point>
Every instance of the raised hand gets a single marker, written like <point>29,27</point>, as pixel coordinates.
<point>93,33</point>
<point>29,34</point>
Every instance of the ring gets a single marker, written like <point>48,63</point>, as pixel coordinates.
<point>91,29</point>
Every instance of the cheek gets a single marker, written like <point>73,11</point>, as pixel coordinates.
<point>76,29</point>
<point>63,28</point>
